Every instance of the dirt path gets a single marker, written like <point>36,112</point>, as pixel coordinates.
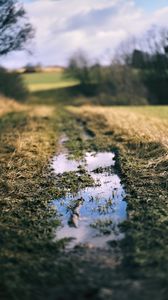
<point>35,266</point>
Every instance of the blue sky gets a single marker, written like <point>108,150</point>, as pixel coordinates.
<point>147,5</point>
<point>96,26</point>
<point>151,5</point>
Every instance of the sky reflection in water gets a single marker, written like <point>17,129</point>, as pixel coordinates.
<point>103,207</point>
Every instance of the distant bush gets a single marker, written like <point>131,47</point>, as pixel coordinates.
<point>115,84</point>
<point>79,68</point>
<point>129,87</point>
<point>12,85</point>
<point>120,99</point>
<point>157,84</point>
<point>29,68</point>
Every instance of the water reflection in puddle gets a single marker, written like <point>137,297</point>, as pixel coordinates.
<point>62,164</point>
<point>92,161</point>
<point>94,213</point>
<point>99,160</point>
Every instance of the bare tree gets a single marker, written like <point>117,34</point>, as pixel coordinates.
<point>124,50</point>
<point>155,40</point>
<point>153,44</point>
<point>15,29</point>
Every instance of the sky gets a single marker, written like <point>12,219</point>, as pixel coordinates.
<point>96,26</point>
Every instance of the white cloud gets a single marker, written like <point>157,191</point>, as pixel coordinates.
<point>97,26</point>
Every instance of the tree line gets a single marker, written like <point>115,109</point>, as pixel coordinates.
<point>138,73</point>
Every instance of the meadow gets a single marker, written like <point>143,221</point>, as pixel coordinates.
<point>137,266</point>
<point>40,81</point>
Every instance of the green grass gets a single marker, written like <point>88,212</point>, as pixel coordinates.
<point>31,265</point>
<point>46,81</point>
<point>151,111</point>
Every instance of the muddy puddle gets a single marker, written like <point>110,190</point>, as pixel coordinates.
<point>92,215</point>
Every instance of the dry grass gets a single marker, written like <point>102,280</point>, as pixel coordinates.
<point>9,105</point>
<point>131,122</point>
<point>139,130</point>
<point>137,126</point>
<point>31,138</point>
<point>28,136</point>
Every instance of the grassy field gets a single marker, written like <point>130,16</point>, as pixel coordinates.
<point>145,122</point>
<point>33,264</point>
<point>46,81</point>
<point>150,111</point>
<point>141,137</point>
